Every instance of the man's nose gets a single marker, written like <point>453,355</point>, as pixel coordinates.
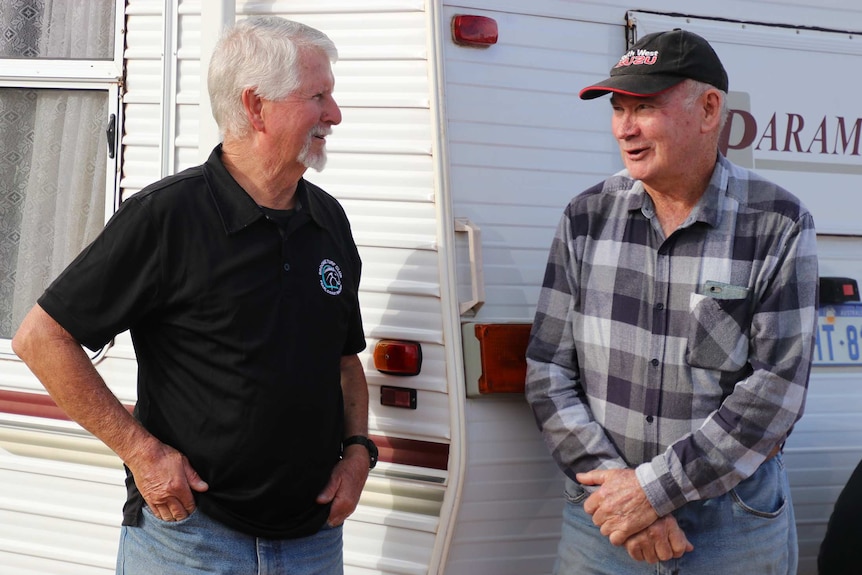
<point>332,113</point>
<point>625,125</point>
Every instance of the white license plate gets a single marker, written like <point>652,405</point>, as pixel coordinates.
<point>839,335</point>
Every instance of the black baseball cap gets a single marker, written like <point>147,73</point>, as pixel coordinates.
<point>660,61</point>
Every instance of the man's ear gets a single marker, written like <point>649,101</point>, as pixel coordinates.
<point>711,101</point>
<point>253,106</point>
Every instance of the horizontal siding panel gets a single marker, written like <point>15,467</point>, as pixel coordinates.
<point>60,514</point>
<point>392,224</point>
<point>510,476</point>
<point>366,177</point>
<point>143,83</point>
<point>189,39</point>
<point>185,155</point>
<point>329,6</point>
<point>386,36</point>
<point>373,547</point>
<point>190,82</point>
<point>540,191</point>
<point>16,376</point>
<point>545,134</point>
<point>144,7</point>
<point>428,422</point>
<point>416,498</point>
<point>582,167</point>
<point>387,84</point>
<point>402,271</point>
<point>28,559</point>
<point>144,37</point>
<point>187,121</point>
<point>387,315</point>
<point>393,133</point>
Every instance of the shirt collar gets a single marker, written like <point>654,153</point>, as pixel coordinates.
<point>235,207</point>
<point>708,208</point>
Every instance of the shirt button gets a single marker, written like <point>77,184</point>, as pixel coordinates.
<point>659,306</point>
<point>287,267</point>
<point>649,418</point>
<point>654,362</point>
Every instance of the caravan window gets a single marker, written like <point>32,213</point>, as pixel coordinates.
<point>60,66</point>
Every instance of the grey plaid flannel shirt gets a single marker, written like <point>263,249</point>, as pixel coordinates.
<point>685,358</point>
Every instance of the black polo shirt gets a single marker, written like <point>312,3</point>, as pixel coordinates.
<point>239,326</point>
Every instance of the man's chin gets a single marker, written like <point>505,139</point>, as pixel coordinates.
<point>314,161</point>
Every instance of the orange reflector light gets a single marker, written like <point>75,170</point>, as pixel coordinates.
<point>395,357</point>
<point>469,30</point>
<point>503,349</point>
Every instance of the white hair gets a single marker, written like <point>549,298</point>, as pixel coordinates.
<point>261,53</point>
<point>696,90</point>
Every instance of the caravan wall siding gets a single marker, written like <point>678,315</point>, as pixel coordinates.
<point>431,132</point>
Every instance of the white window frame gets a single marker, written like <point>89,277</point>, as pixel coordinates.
<point>99,75</point>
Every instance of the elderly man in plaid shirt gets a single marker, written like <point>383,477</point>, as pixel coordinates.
<point>671,348</point>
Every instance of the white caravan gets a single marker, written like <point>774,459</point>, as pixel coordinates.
<point>453,162</point>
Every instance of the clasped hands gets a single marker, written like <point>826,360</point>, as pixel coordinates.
<point>624,514</point>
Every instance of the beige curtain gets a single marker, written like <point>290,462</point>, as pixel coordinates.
<point>61,196</point>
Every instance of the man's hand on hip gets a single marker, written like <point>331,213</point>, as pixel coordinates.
<point>166,479</point>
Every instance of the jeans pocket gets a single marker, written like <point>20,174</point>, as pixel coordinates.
<point>763,494</point>
<point>152,516</point>
<point>575,493</point>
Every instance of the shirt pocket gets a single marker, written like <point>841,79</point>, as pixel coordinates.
<point>718,327</point>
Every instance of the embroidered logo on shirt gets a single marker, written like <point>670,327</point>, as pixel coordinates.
<point>330,277</point>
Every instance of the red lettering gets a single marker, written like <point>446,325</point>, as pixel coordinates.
<point>793,133</point>
<point>841,132</point>
<point>819,136</point>
<point>769,134</point>
<point>741,126</point>
<point>749,131</point>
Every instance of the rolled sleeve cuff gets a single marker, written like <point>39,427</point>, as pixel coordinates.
<point>654,478</point>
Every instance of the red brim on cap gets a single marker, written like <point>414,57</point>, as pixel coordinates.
<point>639,85</point>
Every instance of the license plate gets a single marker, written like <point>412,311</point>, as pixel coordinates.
<point>839,335</point>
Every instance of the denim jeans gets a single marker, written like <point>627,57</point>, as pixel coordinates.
<point>751,529</point>
<point>199,545</point>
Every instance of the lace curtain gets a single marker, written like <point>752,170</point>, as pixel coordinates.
<point>53,157</point>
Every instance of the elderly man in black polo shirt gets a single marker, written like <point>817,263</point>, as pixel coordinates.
<point>239,283</point>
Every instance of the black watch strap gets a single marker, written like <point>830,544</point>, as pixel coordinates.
<point>366,443</point>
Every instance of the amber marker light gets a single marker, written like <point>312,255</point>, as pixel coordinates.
<point>396,357</point>
<point>504,363</point>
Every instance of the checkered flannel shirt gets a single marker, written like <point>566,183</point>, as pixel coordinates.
<point>685,358</point>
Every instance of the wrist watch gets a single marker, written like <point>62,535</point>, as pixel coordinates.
<point>366,443</point>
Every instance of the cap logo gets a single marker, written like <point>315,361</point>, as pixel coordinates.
<point>330,277</point>
<point>637,58</point>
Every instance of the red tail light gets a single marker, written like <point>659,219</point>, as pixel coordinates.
<point>470,30</point>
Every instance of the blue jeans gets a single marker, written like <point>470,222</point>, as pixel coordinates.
<point>751,529</point>
<point>198,545</point>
